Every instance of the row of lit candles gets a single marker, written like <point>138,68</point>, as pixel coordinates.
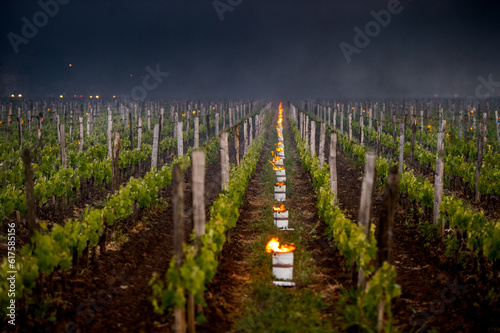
<point>274,245</point>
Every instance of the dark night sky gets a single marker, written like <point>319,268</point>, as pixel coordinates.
<point>261,49</point>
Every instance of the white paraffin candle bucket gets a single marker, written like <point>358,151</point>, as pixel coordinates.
<point>281,214</point>
<point>281,145</point>
<point>281,179</point>
<point>283,265</point>
<point>279,163</point>
<point>281,154</point>
<point>280,192</point>
<point>279,188</point>
<point>280,173</point>
<point>281,219</point>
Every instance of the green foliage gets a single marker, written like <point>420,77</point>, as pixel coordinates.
<point>349,238</point>
<point>54,250</point>
<point>427,230</point>
<point>359,308</point>
<point>198,269</point>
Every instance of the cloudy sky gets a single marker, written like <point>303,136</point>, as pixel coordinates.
<point>259,49</point>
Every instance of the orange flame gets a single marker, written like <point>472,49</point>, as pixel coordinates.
<point>280,184</point>
<point>275,168</point>
<point>280,209</point>
<point>279,149</point>
<point>274,246</point>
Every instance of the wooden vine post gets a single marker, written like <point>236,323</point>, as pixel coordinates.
<point>57,126</point>
<point>379,132</point>
<point>250,131</point>
<point>258,127</point>
<point>335,118</point>
<point>9,117</point>
<point>307,132</point>
<point>176,117</point>
<point>20,132</point>
<point>479,161</point>
<point>370,119</point>
<point>366,203</point>
<point>421,123</point>
<point>115,172</point>
<point>216,124</point>
<point>178,202</point>
<point>81,134</point>
<point>237,144</point>
<point>401,146</point>
<point>385,235</point>
<point>322,145</point>
<point>196,132</point>
<point>361,129</point>
<point>342,121</point>
<point>349,119</point>
<point>299,125</point>
<point>199,219</point>
<point>30,193</point>
<point>386,225</point>
<point>207,127</point>
<point>333,166</point>
<point>88,123</point>
<point>245,137</point>
<point>154,153</point>
<point>224,159</point>
<point>109,134</point>
<point>302,124</point>
<point>180,140</point>
<point>139,133</point>
<point>149,120</point>
<point>313,138</point>
<point>438,179</point>
<point>394,126</point>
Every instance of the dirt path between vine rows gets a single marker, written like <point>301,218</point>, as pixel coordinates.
<point>426,276</point>
<point>113,295</point>
<point>230,287</point>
